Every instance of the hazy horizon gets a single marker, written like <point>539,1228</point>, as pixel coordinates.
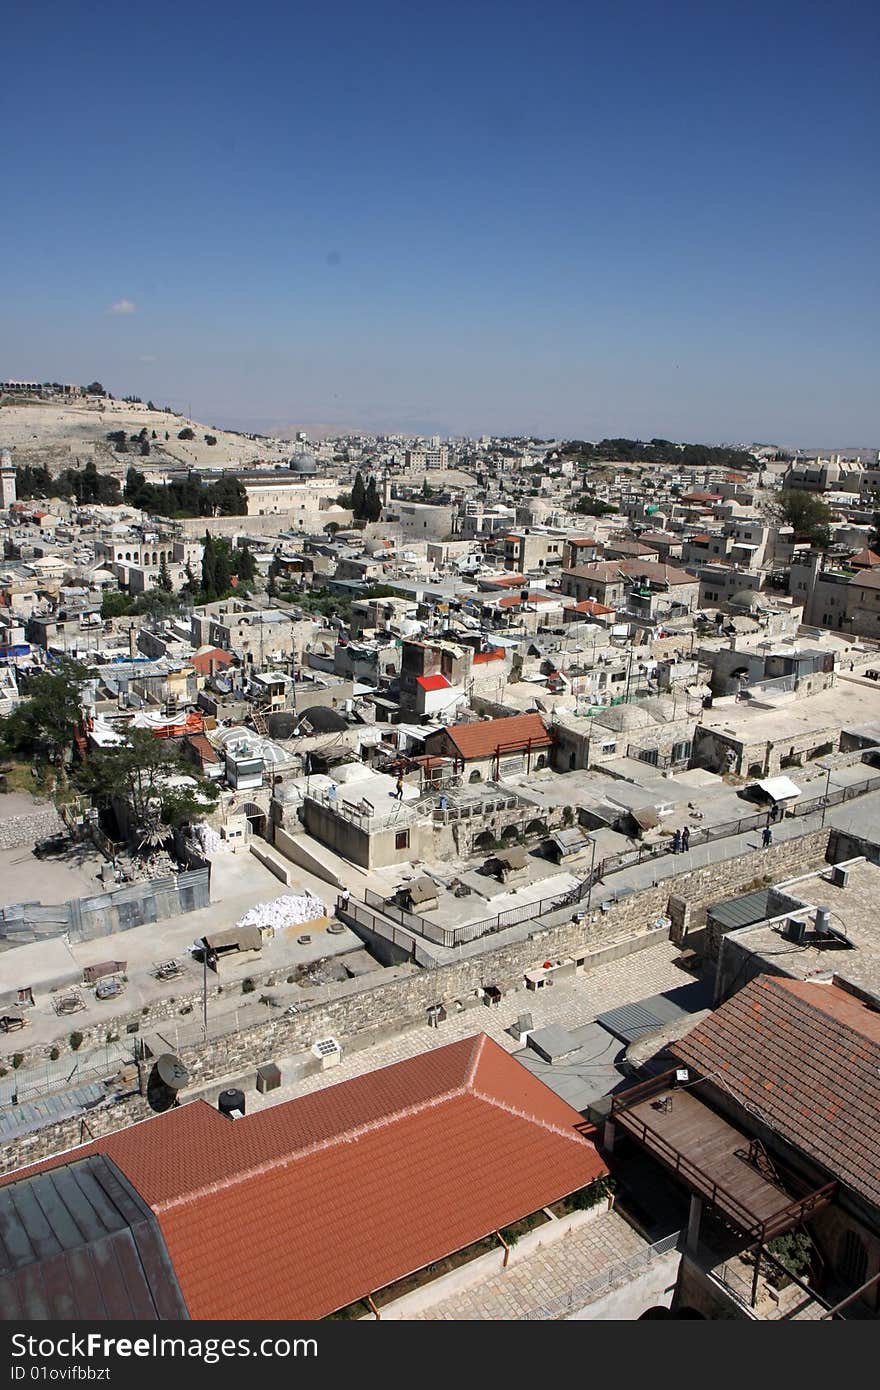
<point>570,222</point>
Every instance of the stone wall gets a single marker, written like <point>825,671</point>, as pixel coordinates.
<point>367,1008</point>
<point>694,892</point>
<point>24,831</point>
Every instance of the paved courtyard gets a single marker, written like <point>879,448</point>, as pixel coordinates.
<point>543,1282</point>
<point>577,1000</point>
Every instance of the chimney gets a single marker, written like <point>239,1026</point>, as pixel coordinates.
<point>132,641</point>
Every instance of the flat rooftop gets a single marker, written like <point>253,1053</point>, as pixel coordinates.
<point>838,706</point>
<point>853,909</point>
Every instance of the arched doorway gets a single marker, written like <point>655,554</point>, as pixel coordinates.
<point>256,818</point>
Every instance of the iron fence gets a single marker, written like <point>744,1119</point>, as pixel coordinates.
<point>613,1276</point>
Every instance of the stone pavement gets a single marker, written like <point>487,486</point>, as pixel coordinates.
<point>552,1272</point>
<point>576,1000</point>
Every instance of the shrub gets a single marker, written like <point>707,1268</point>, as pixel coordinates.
<point>54,1054</point>
<point>76,1041</point>
<point>186,433</point>
<point>17,1060</point>
<point>247,986</point>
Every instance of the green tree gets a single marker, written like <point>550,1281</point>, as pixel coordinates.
<point>94,388</point>
<point>164,580</point>
<point>143,773</point>
<point>186,433</point>
<point>874,538</point>
<point>808,515</point>
<point>372,502</point>
<point>114,603</point>
<point>41,726</point>
<point>144,447</point>
<point>244,563</point>
<point>358,497</point>
<point>210,439</point>
<point>209,569</point>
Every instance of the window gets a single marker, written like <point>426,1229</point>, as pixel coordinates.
<point>649,755</point>
<point>401,839</point>
<point>853,1259</point>
<point>681,751</point>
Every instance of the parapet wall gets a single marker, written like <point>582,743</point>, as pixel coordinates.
<point>381,1006</point>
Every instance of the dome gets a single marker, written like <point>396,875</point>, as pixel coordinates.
<point>748,598</point>
<point>322,719</point>
<point>302,463</point>
<point>623,717</point>
<point>660,707</point>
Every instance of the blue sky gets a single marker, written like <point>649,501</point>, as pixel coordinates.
<point>576,218</point>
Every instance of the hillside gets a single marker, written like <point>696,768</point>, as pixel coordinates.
<point>60,436</point>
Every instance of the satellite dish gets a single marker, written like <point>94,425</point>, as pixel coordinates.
<point>172,1072</point>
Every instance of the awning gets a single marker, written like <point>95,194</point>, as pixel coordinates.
<point>421,890</point>
<point>236,939</point>
<point>779,788</point>
<point>515,858</point>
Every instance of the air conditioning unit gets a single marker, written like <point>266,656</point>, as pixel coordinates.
<point>795,930</point>
<point>839,876</point>
<point>328,1052</point>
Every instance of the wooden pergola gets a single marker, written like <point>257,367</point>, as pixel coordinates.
<point>722,1166</point>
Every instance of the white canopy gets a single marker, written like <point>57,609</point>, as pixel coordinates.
<point>779,788</point>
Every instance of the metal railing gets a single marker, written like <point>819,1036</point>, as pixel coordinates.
<point>386,929</point>
<point>616,1274</point>
<point>471,931</point>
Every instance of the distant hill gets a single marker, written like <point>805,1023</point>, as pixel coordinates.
<point>63,435</point>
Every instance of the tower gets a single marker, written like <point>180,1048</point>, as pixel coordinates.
<point>7,480</point>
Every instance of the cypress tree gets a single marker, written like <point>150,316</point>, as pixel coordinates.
<point>358,497</point>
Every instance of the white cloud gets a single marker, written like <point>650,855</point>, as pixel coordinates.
<point>123,306</point>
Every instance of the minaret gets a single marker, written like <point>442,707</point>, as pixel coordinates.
<point>7,480</point>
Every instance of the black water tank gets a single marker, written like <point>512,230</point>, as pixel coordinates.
<point>228,1101</point>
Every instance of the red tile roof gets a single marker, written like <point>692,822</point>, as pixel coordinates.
<point>514,600</point>
<point>589,605</point>
<point>304,1207</point>
<point>864,559</point>
<point>205,750</point>
<point>805,1058</point>
<point>205,661</point>
<point>437,682</point>
<point>480,740</point>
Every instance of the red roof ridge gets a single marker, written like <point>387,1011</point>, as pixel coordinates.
<point>527,1115</point>
<point>329,1141</point>
<point>474,1061</point>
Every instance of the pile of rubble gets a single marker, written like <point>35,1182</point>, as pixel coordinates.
<point>287,911</point>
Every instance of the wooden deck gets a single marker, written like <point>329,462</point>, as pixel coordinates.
<point>709,1155</point>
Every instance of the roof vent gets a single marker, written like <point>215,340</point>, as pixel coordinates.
<point>328,1052</point>
<point>231,1104</point>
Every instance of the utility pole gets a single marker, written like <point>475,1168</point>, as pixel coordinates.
<point>592,866</point>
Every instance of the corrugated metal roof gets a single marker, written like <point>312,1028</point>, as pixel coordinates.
<point>246,1207</point>
<point>629,1022</point>
<point>741,912</point>
<point>78,1242</point>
